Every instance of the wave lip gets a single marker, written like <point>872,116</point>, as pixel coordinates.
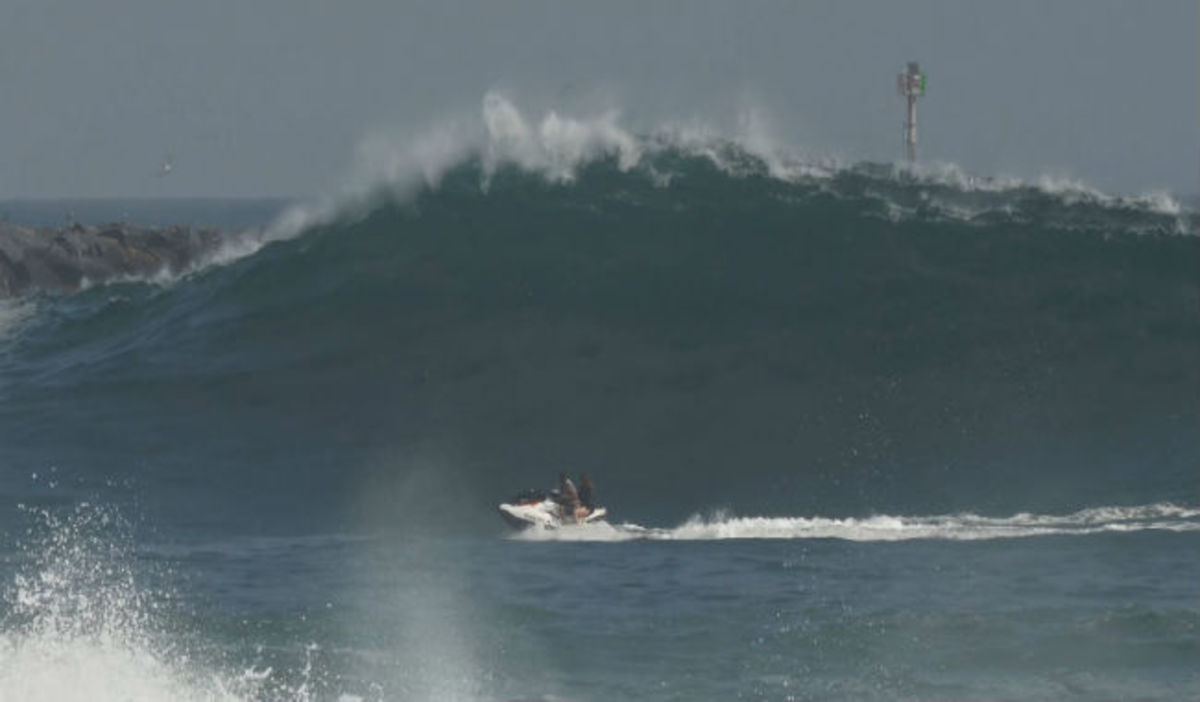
<point>559,148</point>
<point>951,527</point>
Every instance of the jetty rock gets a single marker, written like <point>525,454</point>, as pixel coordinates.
<point>63,260</point>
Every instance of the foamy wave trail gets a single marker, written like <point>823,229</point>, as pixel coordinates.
<point>951,527</point>
<point>79,624</point>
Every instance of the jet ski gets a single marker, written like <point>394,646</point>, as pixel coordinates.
<point>537,508</point>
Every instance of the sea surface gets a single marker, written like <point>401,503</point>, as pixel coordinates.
<point>864,432</point>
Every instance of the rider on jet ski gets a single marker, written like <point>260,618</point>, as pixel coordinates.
<point>563,506</point>
<point>575,503</point>
<point>587,493</point>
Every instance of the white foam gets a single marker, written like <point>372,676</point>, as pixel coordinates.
<point>596,531</point>
<point>556,145</point>
<point>1069,190</point>
<point>13,314</point>
<point>81,627</point>
<point>953,527</point>
<point>53,670</point>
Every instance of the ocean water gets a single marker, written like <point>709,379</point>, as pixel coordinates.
<point>865,433</point>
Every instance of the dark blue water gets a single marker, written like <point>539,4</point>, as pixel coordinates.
<point>863,434</point>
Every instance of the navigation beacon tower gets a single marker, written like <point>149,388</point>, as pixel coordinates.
<point>911,84</point>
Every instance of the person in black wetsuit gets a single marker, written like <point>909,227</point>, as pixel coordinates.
<point>587,493</point>
<point>567,497</point>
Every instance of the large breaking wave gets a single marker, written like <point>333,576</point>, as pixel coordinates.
<point>700,322</point>
<point>558,147</point>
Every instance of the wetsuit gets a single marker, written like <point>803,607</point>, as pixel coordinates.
<point>586,498</point>
<point>568,495</point>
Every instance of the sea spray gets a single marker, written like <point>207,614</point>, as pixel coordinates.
<point>77,623</point>
<point>558,146</point>
<point>85,618</point>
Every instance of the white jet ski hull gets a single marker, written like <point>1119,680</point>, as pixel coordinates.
<point>544,514</point>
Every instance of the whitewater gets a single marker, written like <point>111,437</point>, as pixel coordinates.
<point>956,527</point>
<point>864,431</point>
<point>556,147</point>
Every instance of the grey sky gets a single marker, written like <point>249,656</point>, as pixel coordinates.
<point>271,97</point>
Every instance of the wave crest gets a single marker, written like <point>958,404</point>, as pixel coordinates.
<point>556,147</point>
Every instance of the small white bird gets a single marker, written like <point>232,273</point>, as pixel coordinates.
<point>164,170</point>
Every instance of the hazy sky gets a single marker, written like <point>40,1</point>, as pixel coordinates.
<point>271,97</point>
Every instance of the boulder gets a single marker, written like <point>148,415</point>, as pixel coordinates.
<point>60,260</point>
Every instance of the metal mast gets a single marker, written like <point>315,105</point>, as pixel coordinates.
<point>911,84</point>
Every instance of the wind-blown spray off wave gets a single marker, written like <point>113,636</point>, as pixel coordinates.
<point>558,148</point>
<point>951,527</point>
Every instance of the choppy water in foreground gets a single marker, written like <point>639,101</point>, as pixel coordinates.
<point>1104,616</point>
